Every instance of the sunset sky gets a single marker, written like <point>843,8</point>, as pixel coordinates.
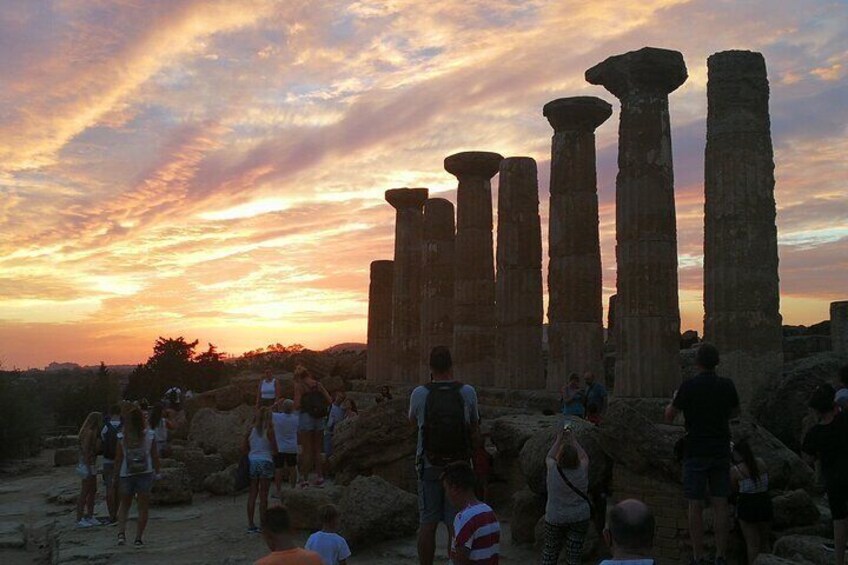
<point>216,169</point>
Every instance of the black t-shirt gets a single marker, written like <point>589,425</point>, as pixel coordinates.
<point>829,444</point>
<point>707,401</point>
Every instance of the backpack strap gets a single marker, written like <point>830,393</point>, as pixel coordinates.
<point>579,492</point>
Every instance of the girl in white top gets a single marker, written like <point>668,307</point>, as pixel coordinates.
<point>89,440</point>
<point>137,458</point>
<point>160,426</point>
<point>269,390</point>
<point>260,445</point>
<point>285,430</point>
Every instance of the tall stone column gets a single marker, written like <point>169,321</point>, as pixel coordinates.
<point>378,365</point>
<point>518,288</point>
<point>839,327</point>
<point>648,314</point>
<point>438,288</point>
<point>575,307</point>
<point>406,292</point>
<point>474,267</point>
<point>741,284</point>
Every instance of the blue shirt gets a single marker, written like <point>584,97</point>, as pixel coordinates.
<point>596,394</point>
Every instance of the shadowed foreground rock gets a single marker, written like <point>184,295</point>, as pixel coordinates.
<point>372,510</point>
<point>379,438</point>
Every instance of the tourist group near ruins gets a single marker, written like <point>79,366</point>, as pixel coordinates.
<point>447,286</point>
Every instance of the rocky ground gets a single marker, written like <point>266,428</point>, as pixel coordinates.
<point>37,498</point>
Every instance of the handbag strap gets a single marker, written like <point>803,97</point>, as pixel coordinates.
<point>579,492</point>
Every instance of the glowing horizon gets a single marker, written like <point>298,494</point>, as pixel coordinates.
<point>216,169</point>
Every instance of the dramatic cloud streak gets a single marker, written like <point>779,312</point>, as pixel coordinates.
<point>216,169</point>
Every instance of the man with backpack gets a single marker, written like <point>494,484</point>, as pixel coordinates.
<point>445,412</point>
<point>109,438</point>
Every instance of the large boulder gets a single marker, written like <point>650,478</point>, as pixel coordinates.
<point>380,437</point>
<point>509,433</point>
<point>373,510</point>
<point>198,464</point>
<point>781,405</point>
<point>532,456</point>
<point>633,439</point>
<point>174,487</point>
<point>221,432</point>
<point>793,509</point>
<point>527,508</point>
<point>772,559</point>
<point>222,483</point>
<point>785,469</point>
<point>305,505</point>
<point>801,549</point>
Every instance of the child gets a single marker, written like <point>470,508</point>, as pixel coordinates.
<point>285,431</point>
<point>477,532</point>
<point>278,535</point>
<point>332,547</point>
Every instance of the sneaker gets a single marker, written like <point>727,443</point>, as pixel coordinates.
<point>319,482</point>
<point>253,530</point>
<point>122,539</point>
<point>93,521</point>
<point>304,484</point>
<point>84,523</point>
<point>138,543</point>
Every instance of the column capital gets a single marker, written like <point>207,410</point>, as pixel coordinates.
<point>736,64</point>
<point>647,70</point>
<point>382,266</point>
<point>582,113</point>
<point>473,163</point>
<point>402,198</point>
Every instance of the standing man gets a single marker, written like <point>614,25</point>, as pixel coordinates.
<point>573,398</point>
<point>596,396</point>
<point>708,402</point>
<point>445,412</point>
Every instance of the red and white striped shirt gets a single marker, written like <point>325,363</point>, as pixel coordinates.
<point>477,529</point>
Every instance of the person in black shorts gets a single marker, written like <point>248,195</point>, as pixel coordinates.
<point>827,441</point>
<point>754,510</point>
<point>708,402</point>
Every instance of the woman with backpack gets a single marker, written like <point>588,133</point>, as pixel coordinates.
<point>749,479</point>
<point>311,399</point>
<point>89,444</point>
<point>567,511</point>
<point>137,459</point>
<point>260,445</point>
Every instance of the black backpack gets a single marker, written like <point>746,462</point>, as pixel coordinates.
<point>110,441</point>
<point>447,436</point>
<point>313,403</point>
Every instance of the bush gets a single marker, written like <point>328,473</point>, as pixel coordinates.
<point>20,426</point>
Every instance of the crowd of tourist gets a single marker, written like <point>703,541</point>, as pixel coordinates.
<point>290,438</point>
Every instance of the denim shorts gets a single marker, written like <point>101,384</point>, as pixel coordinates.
<point>308,423</point>
<point>433,505</point>
<point>705,471</point>
<point>137,484</point>
<point>261,469</point>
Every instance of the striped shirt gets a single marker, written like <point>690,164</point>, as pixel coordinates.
<point>478,530</point>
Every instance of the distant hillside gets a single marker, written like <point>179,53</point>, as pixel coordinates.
<point>352,347</point>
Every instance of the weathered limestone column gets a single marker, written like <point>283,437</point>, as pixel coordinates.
<point>741,284</point>
<point>648,314</point>
<point>518,288</point>
<point>406,292</point>
<point>839,327</point>
<point>575,307</point>
<point>474,267</point>
<point>378,365</point>
<point>437,290</point>
<point>611,326</point>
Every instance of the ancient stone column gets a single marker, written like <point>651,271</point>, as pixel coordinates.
<point>406,292</point>
<point>741,285</point>
<point>575,307</point>
<point>611,326</point>
<point>839,327</point>
<point>437,290</point>
<point>518,289</point>
<point>378,365</point>
<point>648,314</point>
<point>474,267</point>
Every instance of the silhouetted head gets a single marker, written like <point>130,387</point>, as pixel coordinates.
<point>589,377</point>
<point>707,357</point>
<point>329,515</point>
<point>441,361</point>
<point>276,528</point>
<point>630,528</point>
<point>568,457</point>
<point>843,375</point>
<point>459,482</point>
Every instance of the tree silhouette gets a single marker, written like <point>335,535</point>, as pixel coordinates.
<point>175,363</point>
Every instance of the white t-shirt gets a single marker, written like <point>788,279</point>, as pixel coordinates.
<point>147,443</point>
<point>564,506</point>
<point>285,430</point>
<point>330,546</point>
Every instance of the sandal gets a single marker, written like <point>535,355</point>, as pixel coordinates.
<point>122,538</point>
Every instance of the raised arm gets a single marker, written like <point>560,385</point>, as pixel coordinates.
<point>552,452</point>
